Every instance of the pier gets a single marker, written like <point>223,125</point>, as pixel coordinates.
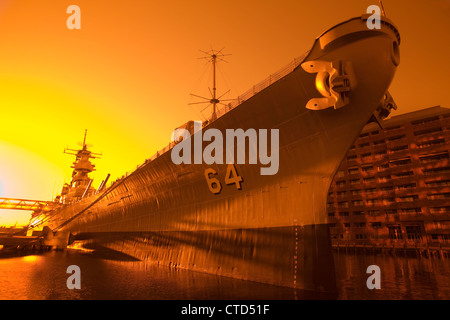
<point>22,243</point>
<point>17,238</point>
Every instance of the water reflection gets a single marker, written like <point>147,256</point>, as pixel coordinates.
<point>43,276</point>
<point>401,277</point>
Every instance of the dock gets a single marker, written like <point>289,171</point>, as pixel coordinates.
<point>20,242</point>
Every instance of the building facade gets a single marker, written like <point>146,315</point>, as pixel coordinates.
<point>393,187</point>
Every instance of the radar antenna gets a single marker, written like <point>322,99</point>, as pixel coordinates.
<point>213,56</point>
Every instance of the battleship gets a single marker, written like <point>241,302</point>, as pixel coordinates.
<point>228,219</point>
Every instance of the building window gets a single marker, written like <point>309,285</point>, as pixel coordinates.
<point>403,174</point>
<point>400,162</point>
<point>373,213</point>
<point>357,202</point>
<point>331,214</point>
<point>380,152</point>
<point>410,198</point>
<point>371,190</point>
<point>411,210</point>
<point>369,179</point>
<point>391,211</point>
<point>343,214</point>
<point>395,232</point>
<point>353,157</point>
<point>436,170</point>
<point>367,169</point>
<point>406,186</point>
<point>353,170</point>
<point>347,225</point>
<point>422,121</point>
<point>413,233</point>
<point>375,224</point>
<point>362,145</point>
<point>356,192</point>
<point>392,128</point>
<point>441,237</point>
<point>361,236</point>
<point>388,201</point>
<point>358,213</point>
<point>395,138</point>
<point>435,157</point>
<point>372,202</point>
<point>343,204</point>
<point>427,131</point>
<point>375,143</point>
<point>440,183</point>
<point>341,193</point>
<point>340,183</point>
<point>440,210</point>
<point>430,143</point>
<point>362,135</point>
<point>340,174</point>
<point>437,196</point>
<point>384,179</point>
<point>360,224</point>
<point>354,181</point>
<point>399,148</point>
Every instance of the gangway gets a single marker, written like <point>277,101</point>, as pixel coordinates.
<point>24,204</point>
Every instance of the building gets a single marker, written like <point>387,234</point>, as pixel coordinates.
<point>393,187</point>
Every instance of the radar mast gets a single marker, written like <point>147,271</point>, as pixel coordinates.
<point>213,56</point>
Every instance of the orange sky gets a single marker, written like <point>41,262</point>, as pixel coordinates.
<point>127,74</point>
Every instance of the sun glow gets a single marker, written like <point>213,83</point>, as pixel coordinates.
<point>18,179</point>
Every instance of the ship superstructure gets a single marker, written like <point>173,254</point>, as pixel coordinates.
<point>80,184</point>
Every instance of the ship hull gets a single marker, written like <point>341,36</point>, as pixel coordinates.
<point>267,255</point>
<point>273,229</point>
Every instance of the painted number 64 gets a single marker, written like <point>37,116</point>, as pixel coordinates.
<point>230,177</point>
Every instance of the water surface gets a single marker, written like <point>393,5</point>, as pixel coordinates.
<point>43,276</point>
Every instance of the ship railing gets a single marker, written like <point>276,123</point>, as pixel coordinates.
<point>274,77</point>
